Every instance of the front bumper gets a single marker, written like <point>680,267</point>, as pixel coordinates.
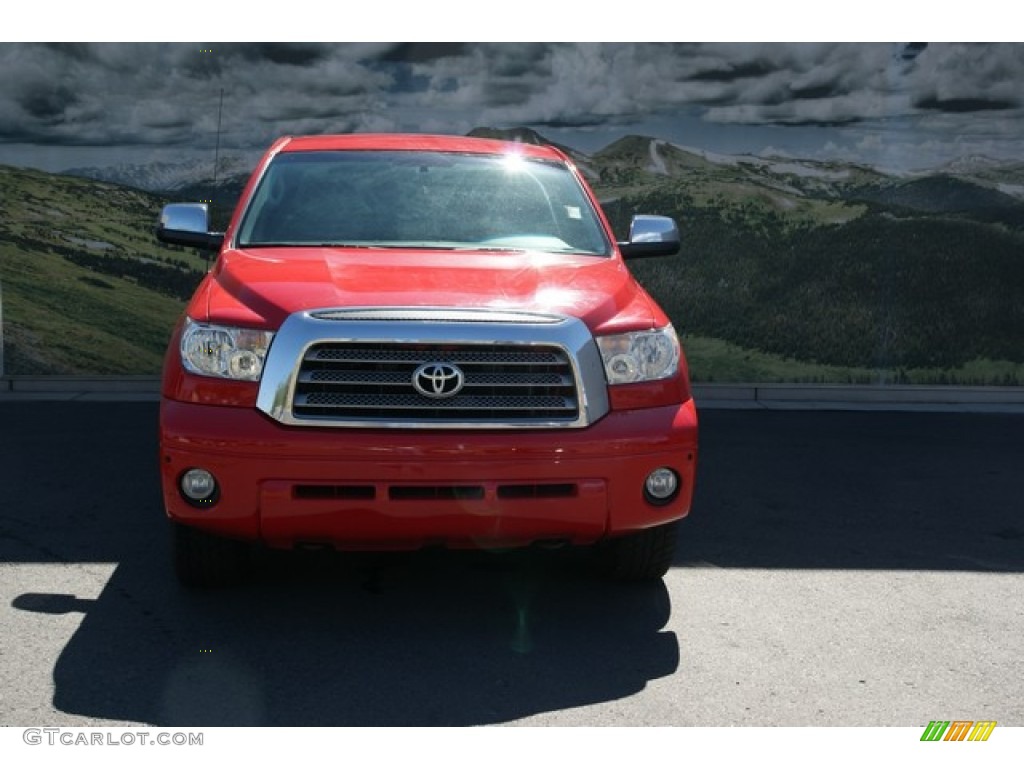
<point>403,489</point>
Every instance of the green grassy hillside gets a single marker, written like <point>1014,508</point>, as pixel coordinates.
<point>86,287</point>
<point>913,298</point>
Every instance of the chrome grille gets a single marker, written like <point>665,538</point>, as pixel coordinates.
<point>354,367</point>
<point>354,381</point>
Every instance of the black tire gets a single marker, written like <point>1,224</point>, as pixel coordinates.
<point>643,556</point>
<point>202,560</point>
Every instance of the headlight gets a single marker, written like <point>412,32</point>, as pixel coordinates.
<point>224,352</point>
<point>640,356</point>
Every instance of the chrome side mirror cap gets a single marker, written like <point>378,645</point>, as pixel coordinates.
<point>651,236</point>
<point>188,224</point>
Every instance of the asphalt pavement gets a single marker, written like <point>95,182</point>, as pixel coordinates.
<point>838,569</point>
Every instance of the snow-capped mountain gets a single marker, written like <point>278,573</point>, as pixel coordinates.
<point>168,177</point>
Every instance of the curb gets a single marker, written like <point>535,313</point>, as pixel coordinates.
<point>80,384</point>
<point>711,396</point>
<point>852,395</point>
<point>93,388</point>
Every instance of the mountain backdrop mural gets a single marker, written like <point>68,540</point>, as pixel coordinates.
<point>850,213</point>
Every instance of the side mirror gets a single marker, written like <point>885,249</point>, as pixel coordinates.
<point>188,224</point>
<point>651,236</point>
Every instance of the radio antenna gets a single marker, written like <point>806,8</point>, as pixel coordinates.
<point>216,150</point>
<point>216,161</point>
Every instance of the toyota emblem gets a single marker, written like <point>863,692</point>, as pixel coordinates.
<point>438,380</point>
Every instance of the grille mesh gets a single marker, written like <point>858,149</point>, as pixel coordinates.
<point>503,384</point>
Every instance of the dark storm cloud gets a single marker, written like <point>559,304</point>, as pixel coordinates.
<point>506,92</point>
<point>729,74</point>
<point>969,78</point>
<point>46,101</point>
<point>208,59</point>
<point>79,51</point>
<point>165,122</point>
<point>543,83</point>
<point>419,53</point>
<point>492,76</point>
<point>294,54</point>
<point>579,121</point>
<point>306,111</point>
<point>961,105</point>
<point>204,67</point>
<point>912,50</point>
<point>816,91</point>
<point>520,60</point>
<point>791,122</point>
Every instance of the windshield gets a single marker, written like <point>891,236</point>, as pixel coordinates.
<point>433,200</point>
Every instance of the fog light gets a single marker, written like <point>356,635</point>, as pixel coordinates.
<point>198,486</point>
<point>661,485</point>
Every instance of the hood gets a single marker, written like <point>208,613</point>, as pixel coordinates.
<point>261,287</point>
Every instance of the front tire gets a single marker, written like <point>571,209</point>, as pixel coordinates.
<point>202,560</point>
<point>643,556</point>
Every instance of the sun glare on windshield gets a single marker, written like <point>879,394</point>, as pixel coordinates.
<point>513,163</point>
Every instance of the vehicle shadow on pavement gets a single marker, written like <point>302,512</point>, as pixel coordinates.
<point>411,640</point>
<point>431,638</point>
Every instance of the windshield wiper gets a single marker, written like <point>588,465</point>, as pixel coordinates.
<point>417,247</point>
<point>421,247</point>
<point>294,244</point>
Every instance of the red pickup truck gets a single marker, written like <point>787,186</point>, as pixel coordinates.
<point>410,340</point>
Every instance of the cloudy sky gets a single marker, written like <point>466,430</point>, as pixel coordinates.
<point>899,106</point>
